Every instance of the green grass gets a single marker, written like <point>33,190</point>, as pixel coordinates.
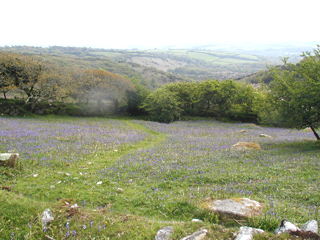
<point>164,176</point>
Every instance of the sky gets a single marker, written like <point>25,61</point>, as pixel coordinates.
<point>154,23</point>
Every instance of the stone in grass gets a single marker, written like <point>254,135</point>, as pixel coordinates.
<point>235,208</point>
<point>310,226</point>
<point>9,159</point>
<point>286,227</point>
<point>265,135</point>
<point>120,190</point>
<point>246,146</point>
<point>246,233</point>
<point>47,217</point>
<point>197,235</point>
<point>164,233</point>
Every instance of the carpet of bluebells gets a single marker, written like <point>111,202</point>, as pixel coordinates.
<point>51,141</point>
<point>169,179</point>
<point>196,162</point>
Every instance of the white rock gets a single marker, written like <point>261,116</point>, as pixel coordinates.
<point>35,175</point>
<point>99,183</point>
<point>246,233</point>
<point>311,226</point>
<point>164,233</point>
<point>74,206</point>
<point>235,207</point>
<point>47,217</point>
<point>9,159</point>
<point>286,227</point>
<point>197,235</point>
<point>265,135</point>
<point>196,220</point>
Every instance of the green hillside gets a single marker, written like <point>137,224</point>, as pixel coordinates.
<point>155,67</point>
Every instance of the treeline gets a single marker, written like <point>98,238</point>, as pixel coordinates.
<point>38,81</point>
<point>212,98</point>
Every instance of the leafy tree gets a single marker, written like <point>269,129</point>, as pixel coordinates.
<point>208,97</point>
<point>39,80</point>
<point>162,106</point>
<point>99,85</point>
<point>294,100</point>
<point>136,97</point>
<point>184,94</point>
<point>244,104</point>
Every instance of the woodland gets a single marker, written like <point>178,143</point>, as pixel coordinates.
<point>96,82</point>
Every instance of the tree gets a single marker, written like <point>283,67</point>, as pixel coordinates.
<point>136,97</point>
<point>162,106</point>
<point>99,85</point>
<point>6,78</point>
<point>39,80</point>
<point>206,96</point>
<point>294,100</point>
<point>184,93</point>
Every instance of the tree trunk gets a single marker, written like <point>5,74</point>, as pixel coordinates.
<point>315,133</point>
<point>4,94</point>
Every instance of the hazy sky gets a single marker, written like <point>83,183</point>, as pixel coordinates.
<point>123,23</point>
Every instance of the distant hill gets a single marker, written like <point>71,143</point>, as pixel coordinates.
<point>87,59</point>
<point>175,62</point>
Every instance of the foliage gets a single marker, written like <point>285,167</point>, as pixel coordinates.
<point>184,93</point>
<point>162,106</point>
<point>136,98</point>
<point>45,82</point>
<point>293,100</point>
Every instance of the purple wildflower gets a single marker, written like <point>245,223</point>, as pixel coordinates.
<point>84,226</point>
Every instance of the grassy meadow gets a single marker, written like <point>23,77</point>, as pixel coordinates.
<point>130,177</point>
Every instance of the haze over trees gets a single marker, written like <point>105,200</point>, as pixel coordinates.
<point>44,82</point>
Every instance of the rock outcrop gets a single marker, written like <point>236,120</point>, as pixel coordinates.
<point>9,159</point>
<point>246,233</point>
<point>237,208</point>
<point>309,230</point>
